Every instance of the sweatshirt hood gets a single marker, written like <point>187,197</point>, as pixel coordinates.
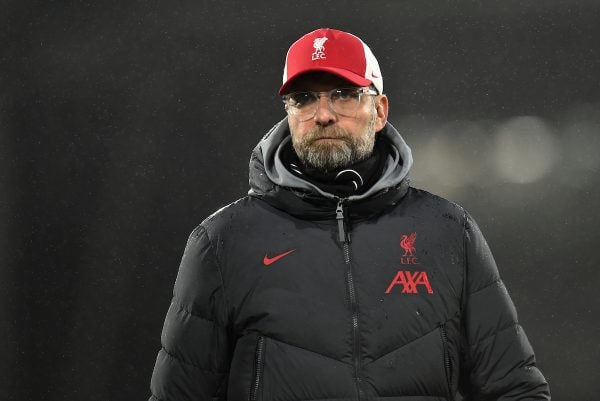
<point>271,181</point>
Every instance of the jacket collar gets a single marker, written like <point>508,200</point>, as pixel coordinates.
<point>271,181</point>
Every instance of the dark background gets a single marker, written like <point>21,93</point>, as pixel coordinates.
<point>124,124</point>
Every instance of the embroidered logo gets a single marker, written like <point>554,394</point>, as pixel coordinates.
<point>410,281</point>
<point>319,45</point>
<point>268,261</point>
<point>407,242</point>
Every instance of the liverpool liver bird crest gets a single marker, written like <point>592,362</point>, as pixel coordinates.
<point>319,45</point>
<point>407,242</point>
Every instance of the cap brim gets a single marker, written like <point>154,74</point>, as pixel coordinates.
<point>344,74</point>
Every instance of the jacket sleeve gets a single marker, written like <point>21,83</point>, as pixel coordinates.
<point>193,362</point>
<point>498,361</point>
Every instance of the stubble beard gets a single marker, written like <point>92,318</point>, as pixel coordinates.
<point>329,154</point>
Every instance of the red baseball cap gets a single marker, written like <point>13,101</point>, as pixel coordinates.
<point>336,52</point>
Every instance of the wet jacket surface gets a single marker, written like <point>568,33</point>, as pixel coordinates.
<point>293,294</point>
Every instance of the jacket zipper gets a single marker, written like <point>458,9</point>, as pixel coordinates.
<point>344,238</point>
<point>447,361</point>
<point>258,367</point>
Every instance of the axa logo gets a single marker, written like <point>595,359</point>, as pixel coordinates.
<point>409,281</point>
<point>407,242</point>
<point>319,45</point>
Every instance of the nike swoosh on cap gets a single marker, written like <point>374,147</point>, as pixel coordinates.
<point>268,261</point>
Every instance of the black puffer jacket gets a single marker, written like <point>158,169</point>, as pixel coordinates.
<point>292,294</point>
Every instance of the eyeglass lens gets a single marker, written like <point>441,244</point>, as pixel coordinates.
<point>304,105</point>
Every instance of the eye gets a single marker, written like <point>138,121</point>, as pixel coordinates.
<point>301,99</point>
<point>345,94</point>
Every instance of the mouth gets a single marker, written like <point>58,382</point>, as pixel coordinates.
<point>328,138</point>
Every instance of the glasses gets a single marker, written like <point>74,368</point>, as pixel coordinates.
<point>343,101</point>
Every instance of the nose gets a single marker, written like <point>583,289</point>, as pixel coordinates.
<point>324,115</point>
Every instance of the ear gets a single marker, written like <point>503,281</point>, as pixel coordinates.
<point>381,107</point>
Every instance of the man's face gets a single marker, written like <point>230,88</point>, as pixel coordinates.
<point>329,141</point>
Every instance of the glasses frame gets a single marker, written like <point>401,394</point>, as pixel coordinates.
<point>362,90</point>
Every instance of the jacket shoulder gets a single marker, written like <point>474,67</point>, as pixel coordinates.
<point>235,213</point>
<point>215,220</point>
<point>437,206</point>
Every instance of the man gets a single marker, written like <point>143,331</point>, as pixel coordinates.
<point>334,279</point>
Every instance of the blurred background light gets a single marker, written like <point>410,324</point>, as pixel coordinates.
<point>580,146</point>
<point>525,150</point>
<point>451,155</point>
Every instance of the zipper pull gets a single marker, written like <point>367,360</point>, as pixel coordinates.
<point>339,216</point>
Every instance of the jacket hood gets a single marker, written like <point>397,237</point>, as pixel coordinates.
<point>271,181</point>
